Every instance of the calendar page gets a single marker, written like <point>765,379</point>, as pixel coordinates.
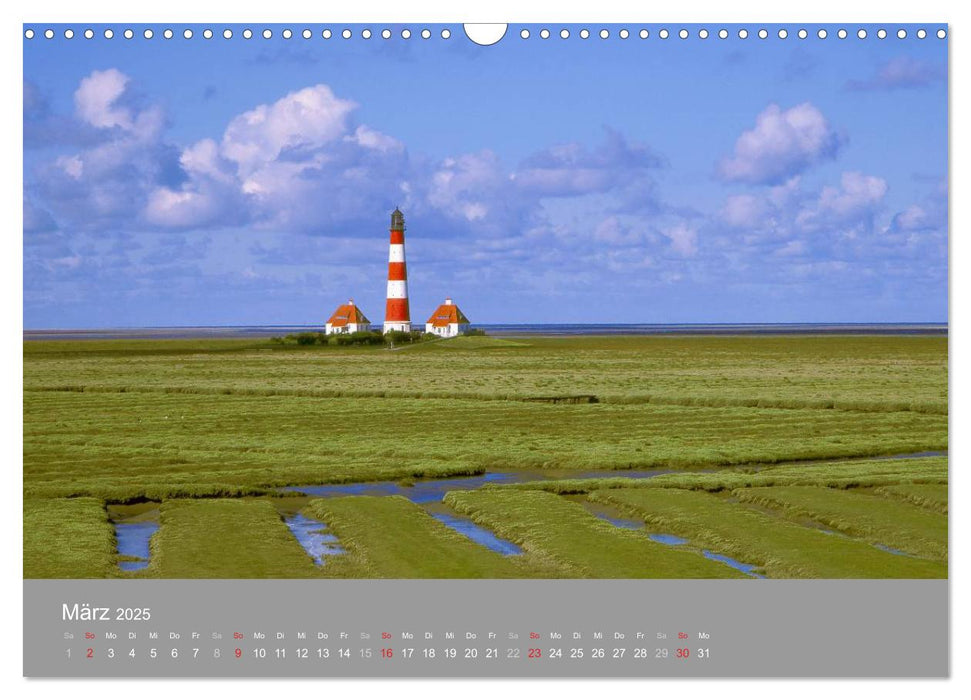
<point>515,350</point>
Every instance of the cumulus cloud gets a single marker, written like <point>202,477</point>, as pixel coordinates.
<point>304,163</point>
<point>900,73</point>
<point>97,100</point>
<point>790,220</point>
<point>305,120</point>
<point>852,203</point>
<point>930,214</point>
<point>782,144</point>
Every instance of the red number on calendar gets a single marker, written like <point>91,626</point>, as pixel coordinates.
<point>90,653</point>
<point>238,652</point>
<point>535,653</point>
<point>684,654</point>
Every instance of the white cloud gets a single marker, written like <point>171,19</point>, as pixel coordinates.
<point>97,96</point>
<point>306,119</point>
<point>367,137</point>
<point>853,202</point>
<point>462,187</point>
<point>782,144</point>
<point>684,239</point>
<point>744,211</point>
<point>72,165</point>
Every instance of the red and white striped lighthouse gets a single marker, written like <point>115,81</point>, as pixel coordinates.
<point>396,315</point>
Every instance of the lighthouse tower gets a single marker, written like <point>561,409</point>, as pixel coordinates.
<point>396,315</point>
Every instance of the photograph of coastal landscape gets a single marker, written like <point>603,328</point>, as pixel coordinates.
<point>404,306</point>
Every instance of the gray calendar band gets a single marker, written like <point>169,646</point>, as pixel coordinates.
<point>754,628</point>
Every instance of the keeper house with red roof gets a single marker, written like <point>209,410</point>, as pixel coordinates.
<point>448,321</point>
<point>347,319</point>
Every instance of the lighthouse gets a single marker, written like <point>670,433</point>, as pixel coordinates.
<point>396,315</point>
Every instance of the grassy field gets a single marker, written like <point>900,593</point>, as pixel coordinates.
<point>67,538</point>
<point>851,372</point>
<point>784,549</point>
<point>930,496</point>
<point>225,538</point>
<point>878,520</point>
<point>391,537</point>
<point>121,421</point>
<point>901,474</point>
<point>563,532</point>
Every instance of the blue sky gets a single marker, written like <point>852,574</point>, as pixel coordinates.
<point>215,182</point>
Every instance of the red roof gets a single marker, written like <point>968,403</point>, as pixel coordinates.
<point>447,313</point>
<point>347,313</point>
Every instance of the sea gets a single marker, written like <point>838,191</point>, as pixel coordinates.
<point>513,330</point>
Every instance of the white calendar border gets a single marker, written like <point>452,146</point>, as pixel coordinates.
<point>711,11</point>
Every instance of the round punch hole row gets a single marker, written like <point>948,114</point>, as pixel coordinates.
<point>446,33</point>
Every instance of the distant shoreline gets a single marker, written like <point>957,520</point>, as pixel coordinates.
<point>509,330</point>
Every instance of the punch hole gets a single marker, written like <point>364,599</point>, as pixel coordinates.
<point>405,33</point>
<point>803,34</point>
<point>524,33</point>
<point>306,33</point>
<point>247,33</point>
<point>484,34</point>
<point>763,34</point>
<point>821,33</point>
<point>447,33</point>
<point>207,34</point>
<point>861,33</point>
<point>683,34</point>
<point>841,34</point>
<point>584,33</point>
<point>68,33</point>
<point>921,33</point>
<point>49,34</point>
<point>426,33</point>
<point>187,34</point>
<point>604,33</point>
<point>783,33</point>
<point>901,33</point>
<point>385,33</point>
<point>366,33</point>
<point>227,34</point>
<point>89,34</point>
<point>267,34</point>
<point>327,34</point>
<point>722,33</point>
<point>29,34</point>
<point>644,33</point>
<point>703,33</point>
<point>346,33</point>
<point>663,33</point>
<point>287,33</point>
<point>881,33</point>
<point>941,34</point>
<point>168,34</point>
<point>109,33</point>
<point>148,33</point>
<point>624,34</point>
<point>544,33</point>
<point>564,33</point>
<point>129,34</point>
<point>743,33</point>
